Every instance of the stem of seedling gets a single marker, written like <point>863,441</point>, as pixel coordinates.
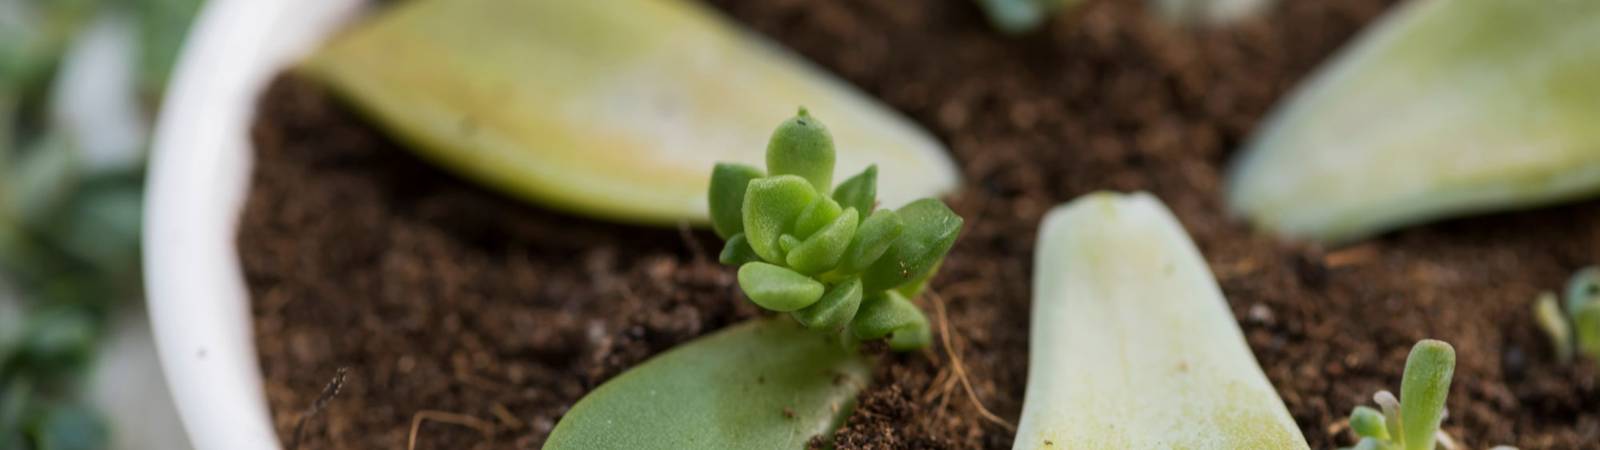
<point>826,254</point>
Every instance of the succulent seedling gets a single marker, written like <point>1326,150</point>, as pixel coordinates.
<point>823,253</point>
<point>1575,328</point>
<point>1410,422</point>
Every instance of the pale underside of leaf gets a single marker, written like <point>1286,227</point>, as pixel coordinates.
<point>1443,108</point>
<point>1133,345</point>
<point>616,109</point>
<point>767,383</point>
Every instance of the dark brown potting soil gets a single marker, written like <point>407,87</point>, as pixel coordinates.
<point>486,318</point>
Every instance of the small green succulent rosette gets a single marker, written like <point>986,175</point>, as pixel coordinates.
<point>824,253</point>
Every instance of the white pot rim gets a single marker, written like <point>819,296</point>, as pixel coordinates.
<point>198,179</point>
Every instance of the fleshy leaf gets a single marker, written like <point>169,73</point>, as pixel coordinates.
<point>860,191</point>
<point>930,230</point>
<point>818,214</point>
<point>726,197</point>
<point>887,313</point>
<point>1132,344</point>
<point>1441,109</point>
<point>788,242</point>
<point>609,109</point>
<point>802,146</point>
<point>1423,390</point>
<point>763,384</point>
<point>872,239</point>
<point>1368,422</point>
<point>770,207</point>
<point>835,309</point>
<point>1586,328</point>
<point>737,251</point>
<point>778,288</point>
<point>822,250</point>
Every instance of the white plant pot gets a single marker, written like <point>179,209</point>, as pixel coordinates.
<point>198,179</point>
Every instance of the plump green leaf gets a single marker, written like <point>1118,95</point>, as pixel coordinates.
<point>1586,328</point>
<point>778,288</point>
<point>763,384</point>
<point>1583,288</point>
<point>1423,389</point>
<point>770,207</point>
<point>1442,109</point>
<point>1132,344</point>
<point>860,191</point>
<point>835,309</point>
<point>737,251</point>
<point>802,146</point>
<point>887,313</point>
<point>788,242</point>
<point>822,250</point>
<point>1368,422</point>
<point>817,215</point>
<point>872,239</point>
<point>729,182</point>
<point>930,230</point>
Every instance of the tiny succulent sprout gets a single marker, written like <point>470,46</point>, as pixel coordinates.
<point>828,255</point>
<point>1412,421</point>
<point>1574,325</point>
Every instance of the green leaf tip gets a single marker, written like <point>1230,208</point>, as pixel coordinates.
<point>1423,390</point>
<point>778,288</point>
<point>802,146</point>
<point>860,191</point>
<point>835,309</point>
<point>830,260</point>
<point>930,230</point>
<point>729,183</point>
<point>889,314</point>
<point>822,250</point>
<point>763,384</point>
<point>1368,423</point>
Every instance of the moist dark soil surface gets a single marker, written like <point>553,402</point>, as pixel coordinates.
<point>487,318</point>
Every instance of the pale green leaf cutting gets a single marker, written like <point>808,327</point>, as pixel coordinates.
<point>765,384</point>
<point>1443,108</point>
<point>606,108</point>
<point>1132,344</point>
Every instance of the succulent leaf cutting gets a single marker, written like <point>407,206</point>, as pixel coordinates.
<point>827,254</point>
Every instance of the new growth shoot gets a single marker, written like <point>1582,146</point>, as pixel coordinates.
<point>1411,422</point>
<point>824,253</point>
<point>1576,329</point>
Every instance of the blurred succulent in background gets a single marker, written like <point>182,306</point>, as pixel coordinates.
<point>1575,328</point>
<point>78,81</point>
<point>829,260</point>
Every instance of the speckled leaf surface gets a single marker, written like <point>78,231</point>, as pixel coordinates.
<point>615,109</point>
<point>1443,108</point>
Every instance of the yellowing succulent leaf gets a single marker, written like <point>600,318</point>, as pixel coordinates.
<point>614,109</point>
<point>1443,108</point>
<point>1133,345</point>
